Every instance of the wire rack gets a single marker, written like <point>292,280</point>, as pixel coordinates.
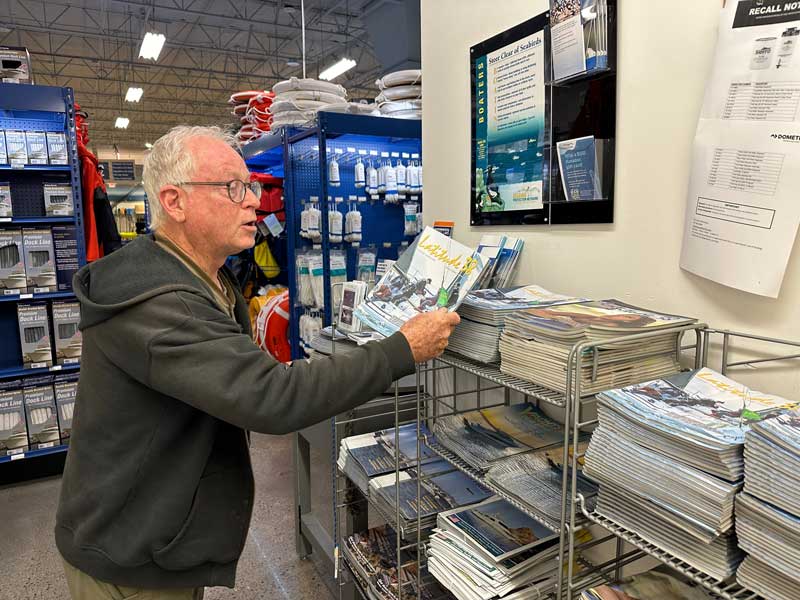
<point>495,375</point>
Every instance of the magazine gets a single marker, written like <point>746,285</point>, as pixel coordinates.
<point>499,529</point>
<point>434,272</point>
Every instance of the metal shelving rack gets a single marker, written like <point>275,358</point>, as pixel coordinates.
<point>36,108</point>
<point>728,589</point>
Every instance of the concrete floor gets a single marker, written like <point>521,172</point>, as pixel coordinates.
<point>30,566</point>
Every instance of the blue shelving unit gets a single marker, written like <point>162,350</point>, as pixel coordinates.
<point>306,157</point>
<point>36,108</point>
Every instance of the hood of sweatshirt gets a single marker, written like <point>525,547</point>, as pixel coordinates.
<point>119,281</point>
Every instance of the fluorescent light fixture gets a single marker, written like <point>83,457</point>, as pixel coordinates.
<point>151,45</point>
<point>134,94</point>
<point>337,69</point>
<point>122,123</point>
<point>292,63</point>
<point>148,145</point>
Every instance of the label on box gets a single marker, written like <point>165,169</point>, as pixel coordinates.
<point>274,225</point>
<point>10,292</point>
<point>3,151</point>
<point>40,266</point>
<point>6,210</point>
<point>17,148</point>
<point>58,200</point>
<point>37,147</point>
<point>57,148</point>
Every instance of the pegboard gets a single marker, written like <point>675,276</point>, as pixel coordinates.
<point>27,190</point>
<point>32,120</point>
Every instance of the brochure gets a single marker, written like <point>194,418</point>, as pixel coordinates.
<point>434,272</point>
<point>580,163</point>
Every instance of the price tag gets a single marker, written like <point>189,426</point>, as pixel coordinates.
<point>275,227</point>
<point>5,219</point>
<point>405,155</point>
<point>362,152</point>
<point>17,164</point>
<point>55,367</point>
<point>39,365</point>
<point>47,445</point>
<point>395,155</point>
<point>338,151</point>
<point>25,296</point>
<point>387,244</point>
<point>17,456</point>
<point>373,153</point>
<point>356,244</point>
<point>10,292</point>
<point>351,150</point>
<point>43,290</point>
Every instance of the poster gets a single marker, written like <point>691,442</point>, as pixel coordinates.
<point>742,211</point>
<point>508,125</point>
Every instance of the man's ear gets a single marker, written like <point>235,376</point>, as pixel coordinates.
<point>173,202</point>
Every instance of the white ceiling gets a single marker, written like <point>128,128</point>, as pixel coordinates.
<point>213,48</point>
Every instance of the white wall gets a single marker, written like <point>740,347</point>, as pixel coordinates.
<point>665,53</point>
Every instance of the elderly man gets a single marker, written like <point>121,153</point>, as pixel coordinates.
<point>158,489</point>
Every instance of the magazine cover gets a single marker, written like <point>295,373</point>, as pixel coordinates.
<point>500,529</point>
<point>516,298</point>
<point>602,314</point>
<point>434,272</point>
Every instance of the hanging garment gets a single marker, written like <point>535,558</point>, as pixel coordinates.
<point>99,226</point>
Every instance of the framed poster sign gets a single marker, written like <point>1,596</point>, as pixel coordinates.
<point>509,130</point>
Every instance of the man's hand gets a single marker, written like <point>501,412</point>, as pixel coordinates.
<point>428,333</point>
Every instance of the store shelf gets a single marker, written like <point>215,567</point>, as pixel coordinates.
<point>20,372</point>
<point>494,374</point>
<point>582,76</point>
<point>35,220</point>
<point>36,168</point>
<point>48,296</point>
<point>462,466</point>
<point>265,144</point>
<point>729,591</point>
<point>33,453</point>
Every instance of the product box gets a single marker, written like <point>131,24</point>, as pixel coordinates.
<point>34,335</point>
<point>40,264</point>
<point>57,148</point>
<point>66,316</point>
<point>13,427</point>
<point>3,151</point>
<point>65,244</point>
<point>37,147</point>
<point>65,389</point>
<point>58,200</point>
<point>16,147</point>
<point>15,65</point>
<point>12,265</point>
<point>6,209</point>
<point>40,411</point>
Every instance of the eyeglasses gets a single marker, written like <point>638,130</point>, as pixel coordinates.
<point>237,189</point>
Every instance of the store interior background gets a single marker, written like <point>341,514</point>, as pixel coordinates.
<point>665,54</point>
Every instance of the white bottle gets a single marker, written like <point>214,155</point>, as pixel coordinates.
<point>763,50</point>
<point>372,180</point>
<point>333,173</point>
<point>360,176</point>
<point>400,174</point>
<point>786,47</point>
<point>391,179</point>
<point>419,178</point>
<point>382,179</point>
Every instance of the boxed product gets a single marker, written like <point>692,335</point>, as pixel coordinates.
<point>65,244</point>
<point>13,428</point>
<point>57,148</point>
<point>15,65</point>
<point>40,264</point>
<point>6,209</point>
<point>40,411</point>
<point>65,389</point>
<point>3,151</point>
<point>37,147</point>
<point>16,147</point>
<point>34,335</point>
<point>66,316</point>
<point>58,201</point>
<point>12,265</point>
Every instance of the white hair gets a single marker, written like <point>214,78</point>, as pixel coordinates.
<point>169,162</point>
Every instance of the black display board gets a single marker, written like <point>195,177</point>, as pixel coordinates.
<point>515,172</point>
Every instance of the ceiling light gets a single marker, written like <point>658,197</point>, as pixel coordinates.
<point>134,94</point>
<point>148,145</point>
<point>332,72</point>
<point>292,63</point>
<point>122,123</point>
<point>151,45</point>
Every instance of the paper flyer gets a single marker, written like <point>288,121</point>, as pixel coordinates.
<point>742,212</point>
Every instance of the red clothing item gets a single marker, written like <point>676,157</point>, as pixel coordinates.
<point>90,179</point>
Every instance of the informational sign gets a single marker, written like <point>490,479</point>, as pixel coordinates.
<point>742,208</point>
<point>123,170</point>
<point>508,74</point>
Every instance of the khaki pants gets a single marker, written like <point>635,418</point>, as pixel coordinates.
<point>86,587</point>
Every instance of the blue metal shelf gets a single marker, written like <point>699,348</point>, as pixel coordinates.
<point>20,372</point>
<point>47,296</point>
<point>33,453</point>
<point>36,168</point>
<point>36,220</point>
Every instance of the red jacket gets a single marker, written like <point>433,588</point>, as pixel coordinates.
<point>99,226</point>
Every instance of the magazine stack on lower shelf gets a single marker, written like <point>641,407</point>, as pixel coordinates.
<point>768,511</point>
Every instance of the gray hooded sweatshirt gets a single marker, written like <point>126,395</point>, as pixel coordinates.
<point>158,488</point>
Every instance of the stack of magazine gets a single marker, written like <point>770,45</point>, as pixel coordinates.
<point>492,550</point>
<point>537,342</point>
<point>440,488</point>
<point>372,558</point>
<point>482,437</point>
<point>668,457</point>
<point>501,254</point>
<point>768,512</point>
<point>362,457</point>
<point>579,30</point>
<point>483,314</point>
<point>434,272</point>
